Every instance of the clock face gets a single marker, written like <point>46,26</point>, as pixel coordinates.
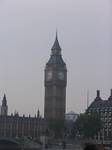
<point>61,75</point>
<point>49,75</point>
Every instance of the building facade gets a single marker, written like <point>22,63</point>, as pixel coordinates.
<point>55,85</point>
<point>104,109</point>
<point>20,126</point>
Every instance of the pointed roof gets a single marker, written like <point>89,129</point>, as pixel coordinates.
<point>98,103</point>
<point>38,113</point>
<point>56,57</point>
<point>4,101</point>
<point>56,45</point>
<point>4,98</point>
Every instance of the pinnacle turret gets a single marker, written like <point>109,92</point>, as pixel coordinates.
<point>38,114</point>
<point>4,101</point>
<point>56,57</point>
<point>56,49</point>
<point>4,107</point>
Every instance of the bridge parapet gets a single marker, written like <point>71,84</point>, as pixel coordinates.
<point>8,144</point>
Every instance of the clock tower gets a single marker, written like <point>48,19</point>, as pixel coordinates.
<point>55,85</point>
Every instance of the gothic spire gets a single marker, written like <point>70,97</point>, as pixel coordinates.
<point>56,57</point>
<point>56,49</point>
<point>4,101</point>
<point>4,107</point>
<point>38,114</point>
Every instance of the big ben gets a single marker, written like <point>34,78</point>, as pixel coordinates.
<point>55,85</point>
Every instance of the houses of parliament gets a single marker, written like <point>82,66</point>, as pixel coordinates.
<point>55,82</point>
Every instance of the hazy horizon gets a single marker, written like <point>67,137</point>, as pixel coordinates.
<point>27,33</point>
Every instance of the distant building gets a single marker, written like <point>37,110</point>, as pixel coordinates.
<point>104,109</point>
<point>71,116</point>
<point>19,126</point>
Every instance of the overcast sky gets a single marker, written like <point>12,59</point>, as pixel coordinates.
<point>27,33</point>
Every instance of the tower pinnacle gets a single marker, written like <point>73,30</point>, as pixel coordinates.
<point>4,101</point>
<point>4,107</point>
<point>56,49</point>
<point>56,57</point>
